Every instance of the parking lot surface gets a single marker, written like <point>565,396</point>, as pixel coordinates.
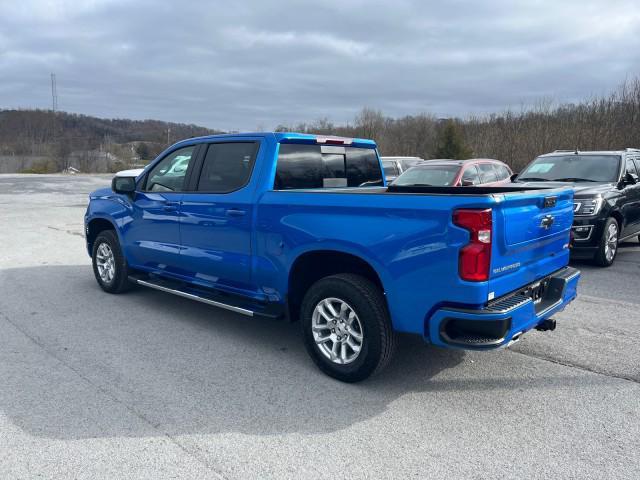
<point>149,385</point>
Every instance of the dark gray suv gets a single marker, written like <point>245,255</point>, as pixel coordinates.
<point>606,196</point>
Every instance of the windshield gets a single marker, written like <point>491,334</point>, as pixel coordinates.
<point>573,168</point>
<point>434,175</point>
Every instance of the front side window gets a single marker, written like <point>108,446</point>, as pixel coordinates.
<point>302,166</point>
<point>631,168</point>
<point>470,176</point>
<point>487,173</point>
<point>573,168</point>
<point>227,166</point>
<point>169,174</point>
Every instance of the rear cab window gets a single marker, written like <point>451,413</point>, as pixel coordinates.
<point>304,166</point>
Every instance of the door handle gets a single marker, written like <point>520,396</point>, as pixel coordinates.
<point>234,212</point>
<point>171,206</point>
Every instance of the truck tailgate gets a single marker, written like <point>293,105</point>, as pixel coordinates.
<point>531,237</point>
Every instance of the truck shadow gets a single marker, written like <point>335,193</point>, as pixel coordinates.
<point>78,363</point>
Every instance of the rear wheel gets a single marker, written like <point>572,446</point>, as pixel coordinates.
<point>109,265</point>
<point>346,327</point>
<point>608,247</point>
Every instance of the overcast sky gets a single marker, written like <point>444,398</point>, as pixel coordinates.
<point>243,65</point>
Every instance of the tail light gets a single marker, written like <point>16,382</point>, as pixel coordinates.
<point>474,261</point>
<point>334,140</point>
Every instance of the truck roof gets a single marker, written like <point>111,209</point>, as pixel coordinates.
<point>287,137</point>
<point>588,152</point>
<point>446,161</point>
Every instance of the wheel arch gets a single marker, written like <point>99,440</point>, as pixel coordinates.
<point>310,266</point>
<point>619,218</point>
<point>95,226</point>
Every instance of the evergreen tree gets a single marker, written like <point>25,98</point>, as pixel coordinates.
<point>143,151</point>
<point>450,143</point>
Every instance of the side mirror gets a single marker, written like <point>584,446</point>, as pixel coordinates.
<point>513,177</point>
<point>630,178</point>
<point>123,185</point>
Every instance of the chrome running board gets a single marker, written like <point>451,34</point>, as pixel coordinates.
<point>192,296</point>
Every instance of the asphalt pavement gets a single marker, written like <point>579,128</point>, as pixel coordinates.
<point>149,385</point>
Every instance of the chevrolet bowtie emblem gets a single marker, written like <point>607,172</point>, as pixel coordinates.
<point>547,221</point>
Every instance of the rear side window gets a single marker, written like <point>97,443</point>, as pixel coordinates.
<point>326,166</point>
<point>487,173</point>
<point>503,172</point>
<point>227,166</point>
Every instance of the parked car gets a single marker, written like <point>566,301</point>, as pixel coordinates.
<point>394,166</point>
<point>457,173</point>
<point>278,225</point>
<point>606,201</point>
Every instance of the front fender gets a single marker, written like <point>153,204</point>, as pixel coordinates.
<point>112,209</point>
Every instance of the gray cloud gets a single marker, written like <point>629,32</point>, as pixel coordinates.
<point>237,65</point>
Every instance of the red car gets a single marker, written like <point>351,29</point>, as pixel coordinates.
<point>457,173</point>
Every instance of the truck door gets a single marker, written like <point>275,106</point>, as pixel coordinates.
<point>216,218</point>
<point>153,237</point>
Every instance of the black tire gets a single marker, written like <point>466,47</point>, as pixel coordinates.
<point>602,258</point>
<point>119,282</point>
<point>368,303</point>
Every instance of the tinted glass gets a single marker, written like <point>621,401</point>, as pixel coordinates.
<point>573,168</point>
<point>487,173</point>
<point>435,175</point>
<point>363,167</point>
<point>227,166</point>
<point>316,166</point>
<point>169,174</point>
<point>470,174</point>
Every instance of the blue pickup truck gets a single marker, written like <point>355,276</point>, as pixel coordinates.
<point>304,227</point>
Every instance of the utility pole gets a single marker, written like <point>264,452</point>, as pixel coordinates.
<point>168,133</point>
<point>54,93</point>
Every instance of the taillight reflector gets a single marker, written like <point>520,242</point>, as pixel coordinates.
<point>474,261</point>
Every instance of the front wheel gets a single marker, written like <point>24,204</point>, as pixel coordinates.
<point>346,327</point>
<point>109,265</point>
<point>608,247</point>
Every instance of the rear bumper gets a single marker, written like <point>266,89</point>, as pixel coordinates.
<point>505,319</point>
